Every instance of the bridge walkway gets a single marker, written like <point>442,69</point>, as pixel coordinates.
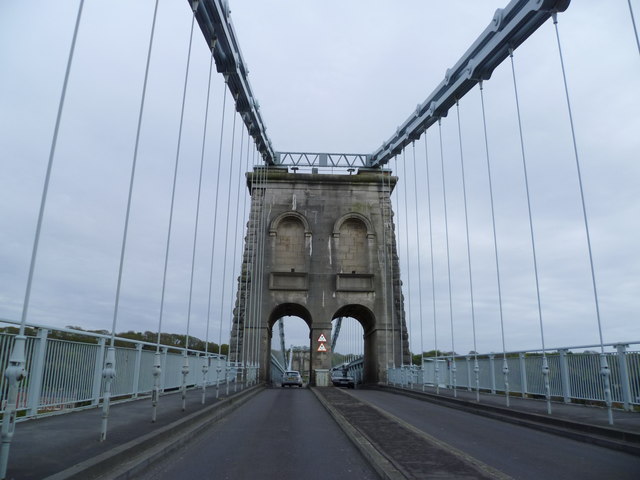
<point>62,446</point>
<point>588,417</point>
<point>576,442</point>
<point>67,444</point>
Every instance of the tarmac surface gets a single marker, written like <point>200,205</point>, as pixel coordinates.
<point>283,433</point>
<point>67,445</point>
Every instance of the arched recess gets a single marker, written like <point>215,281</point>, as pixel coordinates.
<point>291,241</point>
<point>356,216</point>
<point>353,240</point>
<point>368,321</point>
<point>276,221</point>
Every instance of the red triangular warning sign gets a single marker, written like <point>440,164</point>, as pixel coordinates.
<point>322,348</point>
<point>322,338</point>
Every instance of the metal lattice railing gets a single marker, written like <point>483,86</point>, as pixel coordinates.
<point>573,375</point>
<point>66,375</point>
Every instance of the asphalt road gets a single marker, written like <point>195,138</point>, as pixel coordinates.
<point>280,433</point>
<point>520,452</point>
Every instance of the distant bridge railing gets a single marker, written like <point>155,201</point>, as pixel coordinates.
<point>277,370</point>
<point>573,376</point>
<point>67,375</point>
<point>355,368</point>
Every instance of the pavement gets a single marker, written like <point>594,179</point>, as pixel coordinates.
<point>68,446</point>
<point>588,423</point>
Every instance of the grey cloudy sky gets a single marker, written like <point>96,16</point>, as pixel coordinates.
<point>330,76</point>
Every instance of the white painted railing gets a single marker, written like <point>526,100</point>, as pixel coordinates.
<point>67,375</point>
<point>574,373</point>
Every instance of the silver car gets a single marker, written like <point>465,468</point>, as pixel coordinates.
<point>291,379</point>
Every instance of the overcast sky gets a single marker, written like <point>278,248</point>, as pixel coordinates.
<point>336,77</point>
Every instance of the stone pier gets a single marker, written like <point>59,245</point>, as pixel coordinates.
<point>319,247</point>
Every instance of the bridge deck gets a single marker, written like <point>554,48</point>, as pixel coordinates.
<point>49,445</point>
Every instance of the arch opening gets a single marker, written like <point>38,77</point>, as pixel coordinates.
<point>292,350</point>
<point>355,348</point>
<point>347,352</point>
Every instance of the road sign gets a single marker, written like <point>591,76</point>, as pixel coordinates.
<point>322,338</point>
<point>322,348</point>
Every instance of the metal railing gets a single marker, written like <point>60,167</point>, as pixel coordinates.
<point>67,375</point>
<point>355,368</point>
<point>573,375</point>
<point>277,370</point>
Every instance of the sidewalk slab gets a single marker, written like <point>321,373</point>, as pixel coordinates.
<point>45,446</point>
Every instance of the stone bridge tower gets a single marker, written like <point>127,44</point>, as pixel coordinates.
<point>319,247</point>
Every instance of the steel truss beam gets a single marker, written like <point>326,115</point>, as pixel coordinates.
<point>217,28</point>
<point>306,159</point>
<point>509,28</point>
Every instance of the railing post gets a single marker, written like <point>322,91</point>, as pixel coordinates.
<point>163,374</point>
<point>136,370</point>
<point>97,372</point>
<point>36,375</point>
<point>523,375</point>
<point>564,375</point>
<point>624,375</point>
<point>468,373</point>
<point>492,369</point>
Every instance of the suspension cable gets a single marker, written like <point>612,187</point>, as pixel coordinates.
<point>545,364</point>
<point>247,344</point>
<point>130,192</point>
<point>242,304</point>
<point>406,234</point>
<point>418,243</point>
<point>466,224</point>
<point>262,240</point>
<point>205,365</point>
<point>109,369</point>
<point>446,230</point>
<point>247,340</point>
<point>195,229</point>
<point>433,278</point>
<point>604,367</point>
<point>385,262</point>
<point>133,174</point>
<point>45,190</point>
<point>495,239</point>
<point>255,217</point>
<point>185,365</point>
<point>226,243</point>
<point>255,275</point>
<point>173,189</point>
<point>580,183</point>
<point>15,371</point>
<point>402,321</point>
<point>233,269</point>
<point>633,22</point>
<point>392,292</point>
<point>215,220</point>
